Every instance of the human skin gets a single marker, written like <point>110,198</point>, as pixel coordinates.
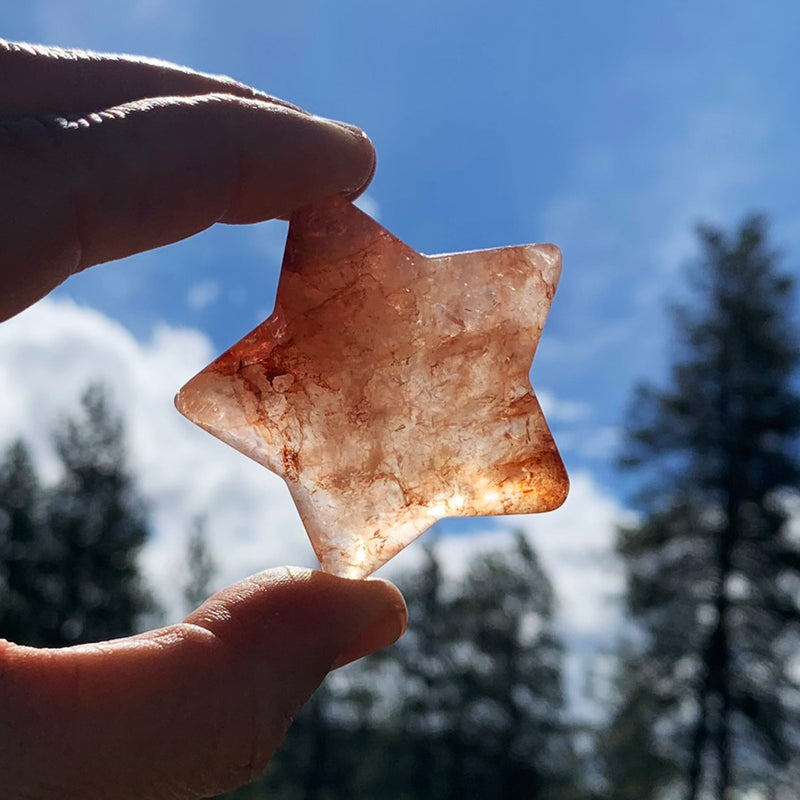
<point>103,156</point>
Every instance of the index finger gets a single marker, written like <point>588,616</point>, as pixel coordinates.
<point>52,80</point>
<point>83,190</point>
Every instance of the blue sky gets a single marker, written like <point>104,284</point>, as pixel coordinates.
<point>608,128</point>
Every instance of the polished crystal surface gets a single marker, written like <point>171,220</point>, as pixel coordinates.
<point>390,389</point>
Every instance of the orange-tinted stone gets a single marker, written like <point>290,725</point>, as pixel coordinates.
<point>390,389</point>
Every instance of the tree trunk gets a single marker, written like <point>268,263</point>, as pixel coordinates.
<point>699,739</point>
<point>318,747</point>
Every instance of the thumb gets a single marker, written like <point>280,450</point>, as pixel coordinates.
<point>190,710</point>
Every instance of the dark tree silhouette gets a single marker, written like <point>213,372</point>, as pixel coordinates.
<point>25,555</point>
<point>708,701</point>
<point>200,566</point>
<point>99,526</point>
<point>430,689</point>
<point>513,720</point>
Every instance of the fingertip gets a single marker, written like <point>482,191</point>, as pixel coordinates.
<point>288,159</point>
<point>365,162</point>
<point>367,152</point>
<point>340,617</point>
<point>387,627</point>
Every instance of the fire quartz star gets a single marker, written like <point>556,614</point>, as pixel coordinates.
<point>390,389</point>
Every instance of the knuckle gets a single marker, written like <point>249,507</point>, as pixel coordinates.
<point>42,135</point>
<point>43,178</point>
<point>33,135</point>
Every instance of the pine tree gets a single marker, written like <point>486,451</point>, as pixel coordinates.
<point>518,743</point>
<point>708,700</point>
<point>200,566</point>
<point>430,692</point>
<point>99,527</point>
<point>479,706</point>
<point>24,551</point>
<point>392,718</point>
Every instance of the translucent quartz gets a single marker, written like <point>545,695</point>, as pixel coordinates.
<point>390,389</point>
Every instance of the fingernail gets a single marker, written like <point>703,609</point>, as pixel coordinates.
<point>351,193</point>
<point>346,125</point>
<point>385,630</point>
<point>359,190</point>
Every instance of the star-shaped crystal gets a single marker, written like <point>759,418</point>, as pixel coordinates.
<point>390,389</point>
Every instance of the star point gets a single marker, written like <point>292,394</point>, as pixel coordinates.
<point>390,389</point>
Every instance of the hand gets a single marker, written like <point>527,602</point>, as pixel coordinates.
<point>190,710</point>
<point>102,157</point>
<point>105,156</point>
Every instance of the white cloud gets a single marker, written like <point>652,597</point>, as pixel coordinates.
<point>146,11</point>
<point>603,443</point>
<point>369,205</point>
<point>54,349</point>
<point>202,294</point>
<point>575,544</point>
<point>83,23</point>
<point>268,239</point>
<point>557,409</point>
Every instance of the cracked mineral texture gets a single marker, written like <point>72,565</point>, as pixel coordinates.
<point>390,389</point>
